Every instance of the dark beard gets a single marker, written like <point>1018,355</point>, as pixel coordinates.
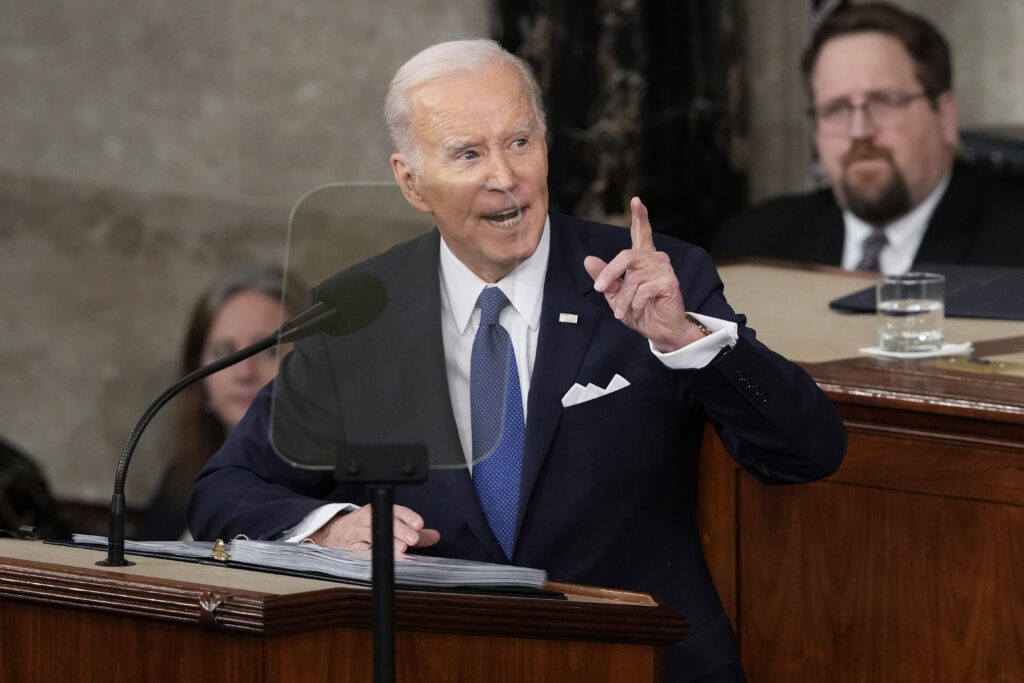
<point>890,204</point>
<point>893,202</point>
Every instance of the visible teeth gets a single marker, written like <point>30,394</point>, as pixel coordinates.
<point>506,217</point>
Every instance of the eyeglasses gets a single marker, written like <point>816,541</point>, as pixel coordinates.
<point>885,109</point>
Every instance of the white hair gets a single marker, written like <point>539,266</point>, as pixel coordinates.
<point>447,60</point>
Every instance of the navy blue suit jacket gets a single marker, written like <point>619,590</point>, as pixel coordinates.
<point>608,494</point>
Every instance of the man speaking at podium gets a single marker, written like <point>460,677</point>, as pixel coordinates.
<point>496,324</point>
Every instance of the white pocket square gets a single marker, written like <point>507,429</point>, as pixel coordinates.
<point>581,394</point>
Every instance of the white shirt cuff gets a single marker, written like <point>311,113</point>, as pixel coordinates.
<point>703,351</point>
<point>312,522</point>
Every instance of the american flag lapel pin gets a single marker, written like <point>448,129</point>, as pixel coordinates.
<point>571,318</point>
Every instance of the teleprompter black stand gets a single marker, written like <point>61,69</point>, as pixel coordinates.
<point>380,467</point>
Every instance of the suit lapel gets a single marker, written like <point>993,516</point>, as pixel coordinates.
<point>950,231</point>
<point>828,234</point>
<point>561,347</point>
<point>418,295</point>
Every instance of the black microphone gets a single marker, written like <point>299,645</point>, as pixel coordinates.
<point>346,303</point>
<point>360,296</point>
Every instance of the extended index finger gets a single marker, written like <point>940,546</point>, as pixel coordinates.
<point>640,227</point>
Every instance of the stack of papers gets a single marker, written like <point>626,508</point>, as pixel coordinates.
<point>353,565</point>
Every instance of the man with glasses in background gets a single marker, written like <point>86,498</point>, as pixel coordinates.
<point>886,132</point>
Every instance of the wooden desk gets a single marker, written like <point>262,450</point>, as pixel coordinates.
<point>64,619</point>
<point>907,564</point>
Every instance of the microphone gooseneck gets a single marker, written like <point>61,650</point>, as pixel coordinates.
<point>115,530</point>
<point>361,295</point>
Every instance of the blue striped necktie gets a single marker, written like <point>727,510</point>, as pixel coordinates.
<point>499,433</point>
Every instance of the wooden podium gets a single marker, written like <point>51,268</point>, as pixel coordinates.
<point>62,618</point>
<point>908,563</point>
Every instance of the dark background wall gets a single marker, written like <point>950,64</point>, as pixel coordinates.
<point>644,98</point>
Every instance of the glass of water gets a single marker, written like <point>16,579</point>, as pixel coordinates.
<point>911,308</point>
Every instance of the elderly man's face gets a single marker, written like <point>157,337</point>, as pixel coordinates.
<point>880,170</point>
<point>484,169</point>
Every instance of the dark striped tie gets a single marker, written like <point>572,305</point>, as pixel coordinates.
<point>871,248</point>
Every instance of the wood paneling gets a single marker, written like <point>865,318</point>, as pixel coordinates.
<point>43,644</point>
<point>432,657</point>
<point>844,582</point>
<point>75,621</point>
<point>908,563</point>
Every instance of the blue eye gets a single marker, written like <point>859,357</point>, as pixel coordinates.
<point>468,155</point>
<point>520,142</point>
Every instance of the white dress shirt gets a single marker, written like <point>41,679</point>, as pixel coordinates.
<point>904,235</point>
<point>460,318</point>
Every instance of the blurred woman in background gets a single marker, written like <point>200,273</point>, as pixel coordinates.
<point>240,308</point>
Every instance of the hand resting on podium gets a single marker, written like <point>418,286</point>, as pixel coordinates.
<point>352,530</point>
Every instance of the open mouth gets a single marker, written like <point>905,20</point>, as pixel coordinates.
<point>505,218</point>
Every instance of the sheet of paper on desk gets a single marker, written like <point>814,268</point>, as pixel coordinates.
<point>355,565</point>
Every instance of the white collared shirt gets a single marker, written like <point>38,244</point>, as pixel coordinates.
<point>460,318</point>
<point>904,235</point>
